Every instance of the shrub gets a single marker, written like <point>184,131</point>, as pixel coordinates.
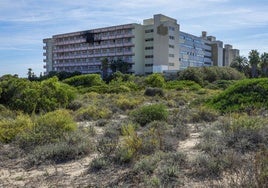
<point>92,112</point>
<point>125,103</point>
<point>48,128</point>
<point>183,85</point>
<point>72,146</point>
<point>204,114</point>
<point>99,163</point>
<point>146,165</point>
<point>176,158</point>
<point>181,131</point>
<point>244,95</point>
<point>120,86</point>
<point>124,155</point>
<point>261,167</point>
<point>48,95</point>
<point>131,142</point>
<point>107,144</point>
<point>201,75</point>
<point>220,84</point>
<point>244,133</point>
<point>86,80</point>
<point>193,74</point>
<point>208,166</point>
<point>169,176</point>
<point>154,91</point>
<point>54,95</point>
<point>98,89</point>
<point>6,113</point>
<point>155,80</point>
<point>10,128</point>
<point>118,89</point>
<point>147,114</point>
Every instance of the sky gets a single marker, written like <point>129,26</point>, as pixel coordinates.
<point>25,23</point>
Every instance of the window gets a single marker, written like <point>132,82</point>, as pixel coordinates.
<point>149,31</point>
<point>171,46</point>
<point>149,56</point>
<point>149,47</point>
<point>171,28</point>
<point>171,64</point>
<point>170,55</point>
<point>149,39</point>
<point>148,65</point>
<point>171,37</point>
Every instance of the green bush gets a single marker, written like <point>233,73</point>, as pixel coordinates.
<point>204,114</point>
<point>220,84</point>
<point>118,89</point>
<point>201,75</point>
<point>98,89</point>
<point>86,80</point>
<point>244,95</point>
<point>131,144</point>
<point>147,114</point>
<point>10,128</point>
<point>155,80</point>
<point>125,103</point>
<point>48,128</point>
<point>183,85</point>
<point>192,74</point>
<point>54,95</point>
<point>124,155</point>
<point>48,95</point>
<point>154,92</point>
<point>92,112</point>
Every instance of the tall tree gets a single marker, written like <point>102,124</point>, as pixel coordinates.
<point>254,60</point>
<point>264,64</point>
<point>105,67</point>
<point>30,73</point>
<point>240,63</point>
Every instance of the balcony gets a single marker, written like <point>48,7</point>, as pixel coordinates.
<point>44,60</point>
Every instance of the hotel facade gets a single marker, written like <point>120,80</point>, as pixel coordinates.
<point>155,46</point>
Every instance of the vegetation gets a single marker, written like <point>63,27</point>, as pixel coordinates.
<point>147,114</point>
<point>206,127</point>
<point>205,75</point>
<point>244,95</point>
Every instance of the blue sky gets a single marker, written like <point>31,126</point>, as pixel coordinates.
<point>24,23</point>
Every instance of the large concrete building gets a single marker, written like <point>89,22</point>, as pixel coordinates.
<point>157,45</point>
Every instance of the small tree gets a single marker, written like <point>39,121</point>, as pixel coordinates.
<point>105,67</point>
<point>254,60</point>
<point>241,64</point>
<point>264,64</point>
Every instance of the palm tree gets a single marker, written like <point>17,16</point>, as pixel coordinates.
<point>254,60</point>
<point>240,63</point>
<point>264,64</point>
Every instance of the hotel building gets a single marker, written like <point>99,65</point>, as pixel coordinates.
<point>157,45</point>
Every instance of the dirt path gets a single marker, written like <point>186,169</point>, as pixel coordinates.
<point>45,176</point>
<point>188,146</point>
